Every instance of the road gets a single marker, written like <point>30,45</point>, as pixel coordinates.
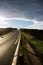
<point>7,47</point>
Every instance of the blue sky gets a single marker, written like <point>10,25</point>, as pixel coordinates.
<point>21,14</point>
<point>17,23</point>
<point>20,23</point>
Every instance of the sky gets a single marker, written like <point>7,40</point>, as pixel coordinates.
<point>21,14</point>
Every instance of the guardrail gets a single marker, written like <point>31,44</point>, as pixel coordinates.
<point>17,51</point>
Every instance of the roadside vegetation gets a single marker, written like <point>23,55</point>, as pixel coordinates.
<point>24,56</point>
<point>36,44</point>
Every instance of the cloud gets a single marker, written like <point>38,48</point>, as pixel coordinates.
<point>29,9</point>
<point>26,10</point>
<point>4,22</point>
<point>36,26</point>
<point>3,19</point>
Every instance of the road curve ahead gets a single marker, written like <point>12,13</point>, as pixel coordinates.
<point>7,47</point>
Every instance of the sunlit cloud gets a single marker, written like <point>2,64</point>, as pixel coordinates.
<point>14,11</point>
<point>4,22</point>
<point>36,26</point>
<point>35,21</point>
<point>16,18</point>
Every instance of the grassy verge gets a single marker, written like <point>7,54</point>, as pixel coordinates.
<point>25,58</point>
<point>36,44</point>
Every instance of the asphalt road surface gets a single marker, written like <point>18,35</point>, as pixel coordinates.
<point>7,47</point>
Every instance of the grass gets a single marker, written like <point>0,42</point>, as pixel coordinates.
<point>25,58</point>
<point>38,45</point>
<point>35,43</point>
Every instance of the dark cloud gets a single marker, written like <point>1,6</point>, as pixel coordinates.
<point>31,9</point>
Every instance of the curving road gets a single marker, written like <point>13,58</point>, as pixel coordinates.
<point>7,47</point>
